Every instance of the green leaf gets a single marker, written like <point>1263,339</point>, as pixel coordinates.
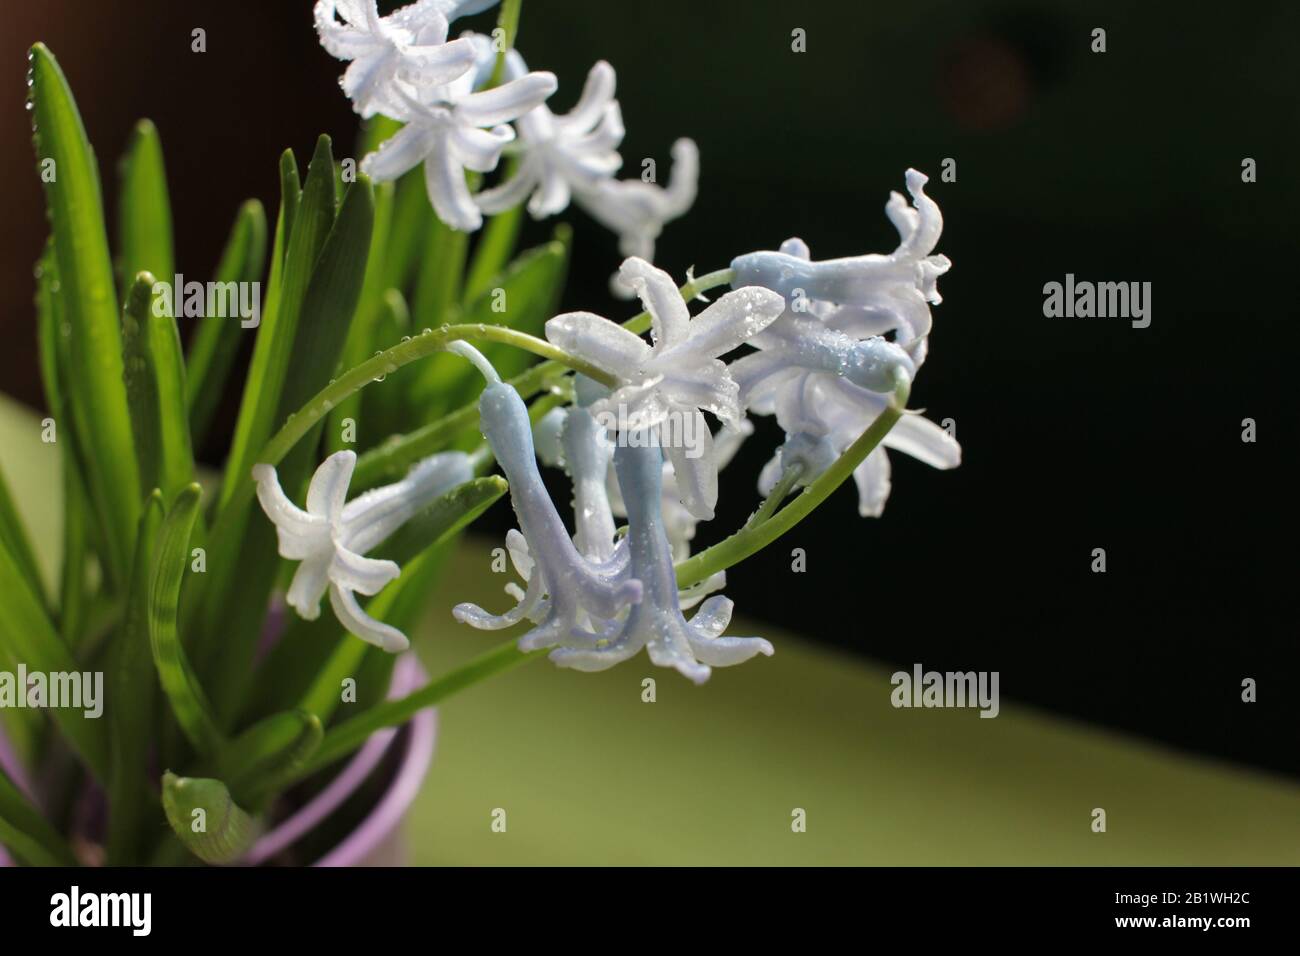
<point>132,687</point>
<point>27,834</point>
<point>362,341</point>
<point>27,636</point>
<point>144,214</point>
<point>216,341</point>
<point>206,819</point>
<point>523,297</point>
<point>307,225</point>
<point>155,388</point>
<point>141,383</point>
<point>86,285</point>
<point>275,746</point>
<point>408,233</point>
<point>495,245</point>
<point>52,341</point>
<point>172,557</point>
<point>330,301</point>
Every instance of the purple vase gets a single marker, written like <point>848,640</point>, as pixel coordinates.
<point>377,839</point>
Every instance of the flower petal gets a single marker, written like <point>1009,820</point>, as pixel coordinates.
<point>358,622</point>
<point>925,441</point>
<point>328,490</point>
<point>658,293</point>
<point>603,343</point>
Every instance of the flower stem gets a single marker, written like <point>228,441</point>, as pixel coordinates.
<point>754,537</point>
<point>390,458</point>
<point>508,22</point>
<point>778,494</point>
<point>346,737</point>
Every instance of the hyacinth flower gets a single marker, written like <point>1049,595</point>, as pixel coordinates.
<point>455,127</point>
<point>870,294</point>
<point>404,50</point>
<point>578,590</point>
<point>670,382</point>
<point>656,623</point>
<point>330,538</point>
<point>637,211</point>
<point>561,155</point>
<point>822,415</point>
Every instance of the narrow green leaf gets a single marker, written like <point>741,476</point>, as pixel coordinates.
<point>86,284</point>
<point>132,687</point>
<point>216,341</point>
<point>408,233</point>
<point>141,384</point>
<point>144,214</point>
<point>27,637</point>
<point>330,301</point>
<point>523,297</point>
<point>495,246</point>
<point>52,340</point>
<point>27,834</point>
<point>272,747</point>
<point>362,341</point>
<point>155,388</point>
<point>172,557</point>
<point>307,225</point>
<point>206,819</point>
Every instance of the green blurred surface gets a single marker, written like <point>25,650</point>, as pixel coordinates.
<point>589,774</point>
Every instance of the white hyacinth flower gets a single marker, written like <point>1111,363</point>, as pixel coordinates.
<point>637,211</point>
<point>868,295</point>
<point>561,155</point>
<point>331,538</point>
<point>404,50</point>
<point>822,414</point>
<point>664,387</point>
<point>451,128</point>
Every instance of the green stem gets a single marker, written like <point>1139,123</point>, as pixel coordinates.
<point>390,458</point>
<point>376,368</point>
<point>754,537</point>
<point>348,736</point>
<point>778,494</point>
<point>508,21</point>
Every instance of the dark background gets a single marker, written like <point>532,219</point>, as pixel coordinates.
<point>1077,433</point>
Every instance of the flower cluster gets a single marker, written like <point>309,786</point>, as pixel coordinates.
<point>827,347</point>
<point>403,66</point>
<point>852,328</point>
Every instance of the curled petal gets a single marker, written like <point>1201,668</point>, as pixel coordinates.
<point>925,441</point>
<point>308,585</point>
<point>658,293</point>
<point>329,486</point>
<point>358,622</point>
<point>508,101</point>
<point>365,575</point>
<point>290,520</point>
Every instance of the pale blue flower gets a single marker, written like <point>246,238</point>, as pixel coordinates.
<point>671,381</point>
<point>657,623</point>
<point>577,591</point>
